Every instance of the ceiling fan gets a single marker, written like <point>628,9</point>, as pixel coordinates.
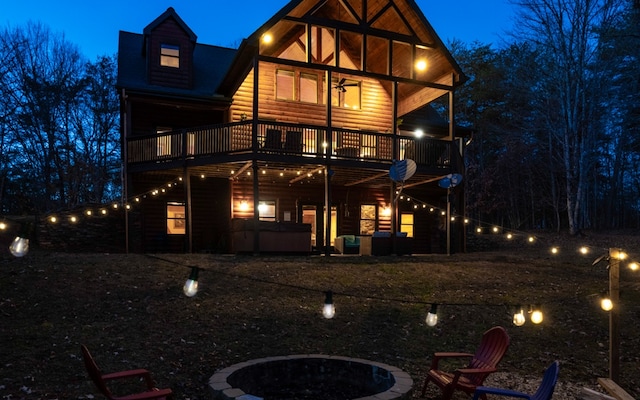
<point>342,86</point>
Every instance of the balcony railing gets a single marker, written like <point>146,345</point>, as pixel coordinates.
<point>291,140</point>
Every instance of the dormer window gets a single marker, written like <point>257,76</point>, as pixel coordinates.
<point>169,55</point>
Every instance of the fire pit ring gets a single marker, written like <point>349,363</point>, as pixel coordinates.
<point>310,377</point>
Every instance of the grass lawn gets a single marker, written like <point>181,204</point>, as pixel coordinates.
<point>131,313</point>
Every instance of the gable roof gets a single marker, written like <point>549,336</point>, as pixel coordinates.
<point>170,13</point>
<point>210,65</point>
<point>403,18</point>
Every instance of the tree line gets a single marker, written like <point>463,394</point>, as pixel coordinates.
<point>59,119</point>
<point>555,111</point>
<point>556,118</point>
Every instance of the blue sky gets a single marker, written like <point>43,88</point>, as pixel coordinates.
<point>94,26</point>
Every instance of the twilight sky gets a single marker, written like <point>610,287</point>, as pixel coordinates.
<point>94,26</point>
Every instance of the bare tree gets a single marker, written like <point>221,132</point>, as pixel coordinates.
<point>566,33</point>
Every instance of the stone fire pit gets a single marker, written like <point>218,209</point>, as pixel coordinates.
<point>310,377</point>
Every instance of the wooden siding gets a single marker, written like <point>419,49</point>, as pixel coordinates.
<point>210,206</point>
<point>169,32</point>
<point>375,113</point>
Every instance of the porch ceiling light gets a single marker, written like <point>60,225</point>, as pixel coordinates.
<point>267,38</point>
<point>421,65</point>
<point>418,133</point>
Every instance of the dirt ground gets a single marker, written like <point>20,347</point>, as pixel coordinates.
<point>131,312</point>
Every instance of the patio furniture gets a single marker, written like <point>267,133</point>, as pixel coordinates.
<point>347,244</point>
<point>100,380</point>
<point>493,346</point>
<point>544,392</point>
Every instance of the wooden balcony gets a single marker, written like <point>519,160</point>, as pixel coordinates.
<point>285,142</point>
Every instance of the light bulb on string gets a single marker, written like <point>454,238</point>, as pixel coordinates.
<point>536,315</point>
<point>190,288</point>
<point>20,245</point>
<point>328,310</point>
<point>518,317</point>
<point>432,315</point>
<point>606,304</point>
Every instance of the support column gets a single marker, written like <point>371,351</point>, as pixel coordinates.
<point>614,315</point>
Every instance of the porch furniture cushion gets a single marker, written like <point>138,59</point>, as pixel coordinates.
<point>347,244</point>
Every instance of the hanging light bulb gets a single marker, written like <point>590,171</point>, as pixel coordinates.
<point>191,285</point>
<point>518,317</point>
<point>329,310</point>
<point>606,304</point>
<point>432,316</point>
<point>19,247</point>
<point>536,315</point>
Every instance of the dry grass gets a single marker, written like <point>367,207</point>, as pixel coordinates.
<point>130,311</point>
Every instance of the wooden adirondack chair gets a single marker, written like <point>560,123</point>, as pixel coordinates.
<point>100,380</point>
<point>544,392</point>
<point>493,346</point>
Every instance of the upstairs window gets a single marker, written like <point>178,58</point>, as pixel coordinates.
<point>169,55</point>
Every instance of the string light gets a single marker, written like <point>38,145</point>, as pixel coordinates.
<point>536,315</point>
<point>432,315</point>
<point>190,287</point>
<point>328,309</point>
<point>518,316</point>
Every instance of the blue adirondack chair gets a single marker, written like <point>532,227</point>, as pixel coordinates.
<point>544,392</point>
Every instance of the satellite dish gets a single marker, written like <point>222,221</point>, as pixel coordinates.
<point>450,181</point>
<point>402,170</point>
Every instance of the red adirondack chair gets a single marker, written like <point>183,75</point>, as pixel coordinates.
<point>493,346</point>
<point>544,392</point>
<point>100,380</point>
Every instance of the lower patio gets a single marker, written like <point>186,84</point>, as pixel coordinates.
<point>130,310</point>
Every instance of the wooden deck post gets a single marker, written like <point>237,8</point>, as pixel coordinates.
<point>614,315</point>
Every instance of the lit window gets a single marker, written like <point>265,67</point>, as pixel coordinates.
<point>309,88</point>
<point>284,85</point>
<point>267,210</point>
<point>406,224</point>
<point>169,56</point>
<point>346,93</point>
<point>176,222</point>
<point>367,219</point>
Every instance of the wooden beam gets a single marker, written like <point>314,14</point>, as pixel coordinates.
<point>306,174</point>
<point>423,182</point>
<point>245,167</point>
<point>371,178</point>
<point>614,389</point>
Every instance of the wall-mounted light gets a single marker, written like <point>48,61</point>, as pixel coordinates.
<point>244,206</point>
<point>328,310</point>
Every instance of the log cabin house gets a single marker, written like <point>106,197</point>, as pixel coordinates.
<point>295,131</point>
